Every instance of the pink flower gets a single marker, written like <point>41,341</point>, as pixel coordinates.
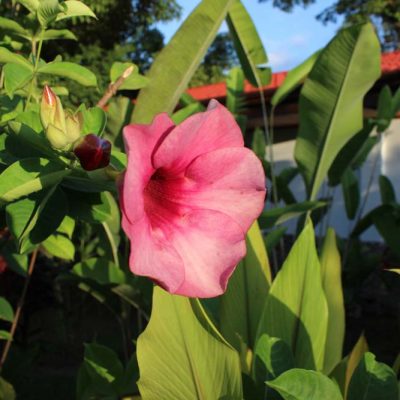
<point>189,195</point>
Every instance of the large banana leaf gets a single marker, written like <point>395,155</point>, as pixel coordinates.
<point>174,66</point>
<point>331,272</point>
<point>248,45</point>
<point>294,78</point>
<point>182,357</point>
<point>243,302</point>
<point>331,101</point>
<point>296,309</point>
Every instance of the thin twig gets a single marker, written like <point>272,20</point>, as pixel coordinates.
<point>113,87</point>
<point>19,309</point>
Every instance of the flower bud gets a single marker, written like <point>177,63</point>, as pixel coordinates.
<point>56,137</point>
<point>93,152</point>
<point>51,110</point>
<point>74,124</point>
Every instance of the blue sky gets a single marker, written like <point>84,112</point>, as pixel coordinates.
<point>288,38</point>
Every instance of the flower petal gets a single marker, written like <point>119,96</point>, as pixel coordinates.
<point>140,141</point>
<point>231,181</point>
<point>210,244</point>
<point>152,255</point>
<point>213,129</point>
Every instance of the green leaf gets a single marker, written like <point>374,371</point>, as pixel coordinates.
<point>67,227</point>
<point>373,381</point>
<point>59,246</point>
<point>6,311</point>
<point>235,91</point>
<point>12,27</point>
<point>6,390</point>
<point>181,358</point>
<point>73,8</point>
<point>33,219</point>
<point>56,34</point>
<point>6,56</point>
<point>119,114</point>
<point>186,112</point>
<point>273,238</point>
<point>70,70</point>
<point>23,140</point>
<point>396,103</point>
<point>386,222</point>
<point>89,207</point>
<point>4,335</point>
<point>242,304</point>
<point>133,82</point>
<point>277,216</point>
<point>248,45</point>
<point>331,272</point>
<point>300,384</point>
<point>349,153</point>
<point>272,357</point>
<point>99,270</point>
<point>351,193</point>
<point>294,78</point>
<point>47,11</point>
<point>353,360</point>
<point>296,309</point>
<point>31,5</point>
<point>384,113</point>
<point>331,101</point>
<point>185,51</point>
<point>388,194</point>
<point>16,262</point>
<point>258,144</point>
<point>103,367</point>
<point>28,176</point>
<point>94,120</point>
<point>16,76</point>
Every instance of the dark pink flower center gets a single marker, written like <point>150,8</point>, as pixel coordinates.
<point>163,198</point>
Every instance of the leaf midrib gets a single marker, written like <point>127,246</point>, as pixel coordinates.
<point>334,113</point>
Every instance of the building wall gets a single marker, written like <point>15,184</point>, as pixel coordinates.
<point>387,156</point>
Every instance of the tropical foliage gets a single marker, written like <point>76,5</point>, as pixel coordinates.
<point>67,180</point>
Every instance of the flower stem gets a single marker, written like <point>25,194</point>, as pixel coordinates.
<point>19,309</point>
<point>113,87</point>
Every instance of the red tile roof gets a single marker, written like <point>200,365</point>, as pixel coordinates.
<point>390,63</point>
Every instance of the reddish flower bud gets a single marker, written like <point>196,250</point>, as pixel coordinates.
<point>93,152</point>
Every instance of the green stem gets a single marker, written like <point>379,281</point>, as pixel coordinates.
<point>36,55</point>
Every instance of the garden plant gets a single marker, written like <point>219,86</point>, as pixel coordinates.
<point>149,210</point>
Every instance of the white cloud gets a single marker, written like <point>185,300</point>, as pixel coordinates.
<point>299,39</point>
<point>279,59</point>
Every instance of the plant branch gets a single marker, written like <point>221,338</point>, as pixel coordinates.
<point>113,87</point>
<point>19,309</point>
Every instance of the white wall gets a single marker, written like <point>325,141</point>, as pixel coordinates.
<point>388,162</point>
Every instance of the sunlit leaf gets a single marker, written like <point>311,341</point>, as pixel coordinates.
<point>6,311</point>
<point>70,70</point>
<point>133,82</point>
<point>248,45</point>
<point>294,78</point>
<point>331,101</point>
<point>300,384</point>
<point>73,8</point>
<point>243,302</point>
<point>331,272</point>
<point>181,358</point>
<point>296,309</point>
<point>372,380</point>
<point>185,52</point>
<point>28,176</point>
